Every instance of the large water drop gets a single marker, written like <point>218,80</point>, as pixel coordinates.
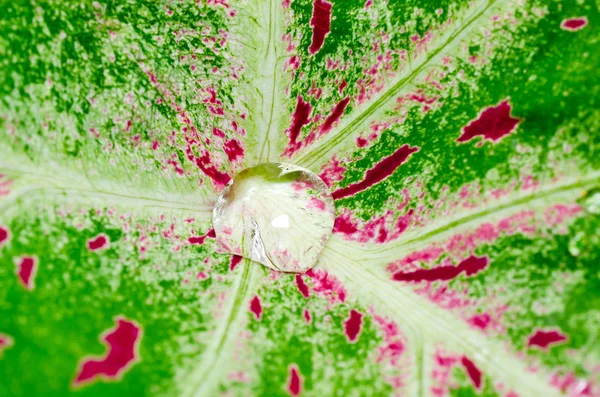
<point>277,214</point>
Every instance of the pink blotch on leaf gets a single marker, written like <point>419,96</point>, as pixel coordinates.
<point>5,342</point>
<point>205,163</point>
<point>99,242</point>
<point>473,372</point>
<point>378,173</point>
<point>199,240</point>
<point>294,381</point>
<point>335,115</point>
<point>493,123</point>
<point>320,24</point>
<point>326,285</point>
<point>543,339</point>
<point>574,24</point>
<point>123,343</point>
<point>332,172</point>
<point>307,316</point>
<point>255,307</point>
<point>4,235</point>
<point>26,270</point>
<point>299,119</point>
<point>316,204</point>
<point>353,324</point>
<point>302,287</point>
<point>470,266</point>
<point>234,150</point>
<point>235,260</point>
<point>481,321</point>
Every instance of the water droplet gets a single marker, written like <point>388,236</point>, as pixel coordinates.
<point>277,214</point>
<point>590,201</point>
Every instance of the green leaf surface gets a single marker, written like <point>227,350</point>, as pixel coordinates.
<point>460,143</point>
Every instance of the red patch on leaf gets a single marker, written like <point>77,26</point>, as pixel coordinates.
<point>205,163</point>
<point>255,307</point>
<point>294,381</point>
<point>481,321</point>
<point>307,317</point>
<point>123,342</point>
<point>378,173</point>
<point>335,115</point>
<point>470,266</point>
<point>473,372</point>
<point>26,270</point>
<point>235,260</point>
<point>4,235</point>
<point>199,240</point>
<point>5,342</point>
<point>493,123</point>
<point>299,119</point>
<point>574,24</point>
<point>353,325</point>
<point>327,285</point>
<point>543,339</point>
<point>99,242</point>
<point>234,150</point>
<point>320,24</point>
<point>302,287</point>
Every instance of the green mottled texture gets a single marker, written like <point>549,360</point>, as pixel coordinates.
<point>126,119</point>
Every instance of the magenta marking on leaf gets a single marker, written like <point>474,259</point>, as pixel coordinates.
<point>473,372</point>
<point>481,321</point>
<point>559,213</point>
<point>380,229</point>
<point>302,287</point>
<point>394,343</point>
<point>344,224</point>
<point>335,115</point>
<point>378,173</point>
<point>199,240</point>
<point>442,369</point>
<point>204,162</point>
<point>542,339</point>
<point>574,24</point>
<point>235,260</point>
<point>99,242</point>
<point>326,285</point>
<point>123,345</point>
<point>4,235</point>
<point>332,172</point>
<point>572,385</point>
<point>26,270</point>
<point>256,307</point>
<point>201,276</point>
<point>299,119</point>
<point>320,24</point>
<point>493,123</point>
<point>5,342</point>
<point>470,266</point>
<point>294,381</point>
<point>353,325</point>
<point>234,150</point>
<point>307,316</point>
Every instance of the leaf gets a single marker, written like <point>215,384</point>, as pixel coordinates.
<point>458,139</point>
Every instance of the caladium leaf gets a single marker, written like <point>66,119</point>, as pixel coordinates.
<point>459,141</point>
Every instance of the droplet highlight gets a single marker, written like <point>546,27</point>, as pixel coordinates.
<point>277,214</point>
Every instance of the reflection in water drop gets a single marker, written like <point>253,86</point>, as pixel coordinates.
<point>277,214</point>
<point>591,201</point>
